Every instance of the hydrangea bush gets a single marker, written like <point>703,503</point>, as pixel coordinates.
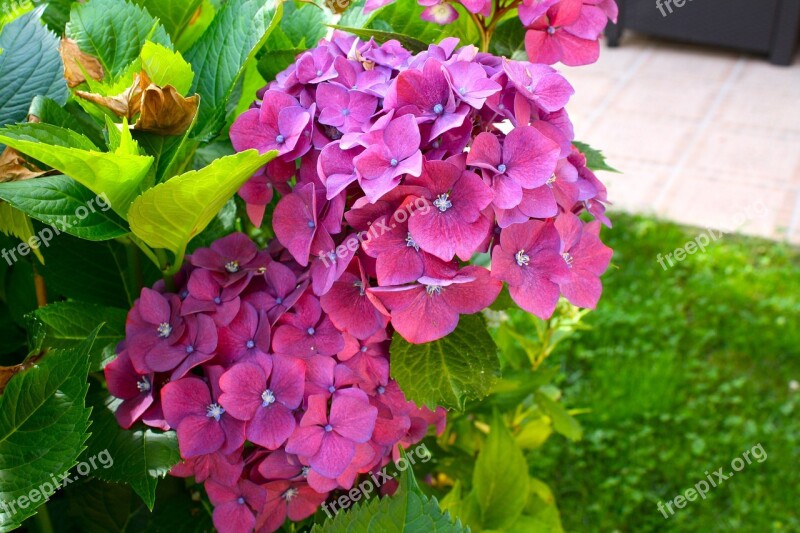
<point>398,191</point>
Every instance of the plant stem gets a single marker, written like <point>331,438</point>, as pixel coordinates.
<point>146,249</point>
<point>42,521</point>
<point>41,288</point>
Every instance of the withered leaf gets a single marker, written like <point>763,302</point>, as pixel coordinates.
<point>165,111</point>
<point>14,167</point>
<point>8,372</point>
<point>127,104</point>
<point>78,64</point>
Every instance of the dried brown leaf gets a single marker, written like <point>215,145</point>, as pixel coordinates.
<point>165,111</point>
<point>127,104</point>
<point>78,64</point>
<point>14,167</point>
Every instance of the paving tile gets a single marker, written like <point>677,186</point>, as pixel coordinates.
<point>714,136</point>
<point>591,91</point>
<point>642,135</point>
<point>678,96</point>
<point>635,188</point>
<point>762,106</point>
<point>761,72</point>
<point>750,208</point>
<point>741,154</point>
<point>676,60</point>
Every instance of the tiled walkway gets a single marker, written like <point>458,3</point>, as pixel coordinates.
<point>703,137</point>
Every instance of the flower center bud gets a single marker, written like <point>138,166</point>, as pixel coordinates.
<point>462,90</point>
<point>331,389</point>
<point>278,300</point>
<point>311,331</point>
<point>438,109</point>
<point>214,411</point>
<point>363,349</point>
<point>328,428</point>
<point>442,202</point>
<point>280,139</point>
<point>164,330</point>
<point>240,500</point>
<point>311,224</point>
<point>501,167</point>
<point>232,266</point>
<point>431,289</point>
<point>345,111</point>
<point>522,258</point>
<point>304,471</point>
<point>217,300</point>
<point>267,398</point>
<point>250,344</point>
<point>360,285</point>
<point>411,243</point>
<point>189,349</point>
<point>290,494</point>
<point>550,30</point>
<point>393,162</point>
<point>143,385</point>
<point>381,389</point>
<point>550,181</point>
<point>319,73</point>
<point>567,259</point>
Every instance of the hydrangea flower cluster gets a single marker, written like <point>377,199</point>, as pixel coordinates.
<point>406,166</point>
<point>556,30</point>
<point>277,398</point>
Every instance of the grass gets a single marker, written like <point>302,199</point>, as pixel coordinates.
<point>683,370</point>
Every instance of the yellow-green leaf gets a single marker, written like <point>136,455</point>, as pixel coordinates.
<point>119,175</point>
<point>170,214</point>
<point>165,67</point>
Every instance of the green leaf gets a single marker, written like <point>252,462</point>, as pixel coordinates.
<point>595,159</point>
<point>66,204</point>
<point>449,371</point>
<point>118,176</point>
<point>114,32</point>
<point>140,456</point>
<point>29,66</point>
<point>563,422</point>
<point>500,479</point>
<point>56,13</point>
<point>15,222</point>
<point>43,423</point>
<point>503,300</point>
<point>508,40</point>
<point>66,324</point>
<point>403,18</point>
<point>219,57</point>
<point>170,214</point>
<point>223,224</point>
<point>69,116</point>
<point>47,134</point>
<point>100,507</point>
<point>409,43</point>
<point>301,27</point>
<point>174,15</point>
<point>165,67</point>
<point>408,511</point>
<point>95,272</point>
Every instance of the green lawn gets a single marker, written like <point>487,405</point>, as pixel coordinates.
<point>682,371</point>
